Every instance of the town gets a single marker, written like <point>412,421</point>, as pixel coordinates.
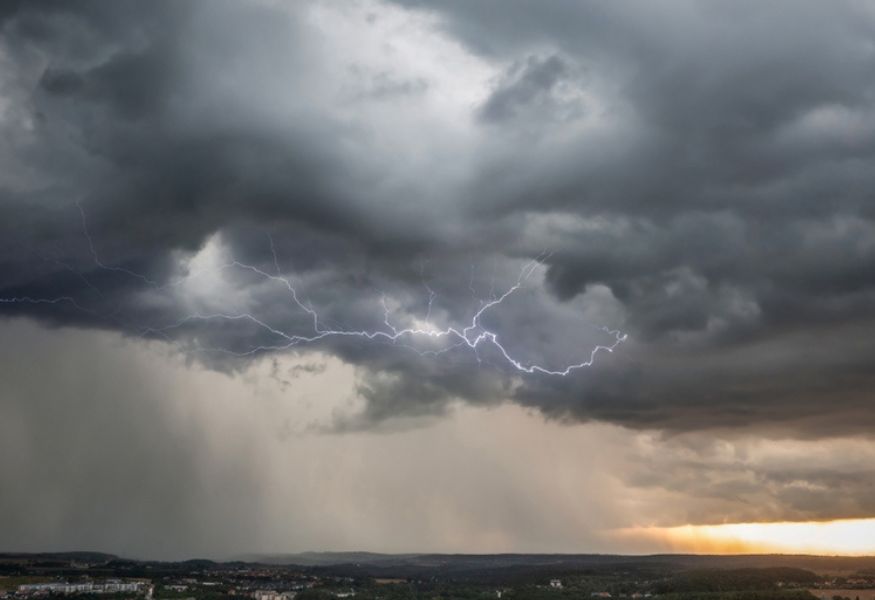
<point>364,577</point>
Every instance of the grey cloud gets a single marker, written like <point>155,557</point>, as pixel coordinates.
<point>526,84</point>
<point>728,479</point>
<point>696,170</point>
<point>384,85</point>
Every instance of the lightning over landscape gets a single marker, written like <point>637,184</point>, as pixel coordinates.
<point>494,277</point>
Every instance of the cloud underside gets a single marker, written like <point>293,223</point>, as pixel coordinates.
<point>698,175</point>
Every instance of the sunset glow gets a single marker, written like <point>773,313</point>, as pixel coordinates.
<point>842,537</point>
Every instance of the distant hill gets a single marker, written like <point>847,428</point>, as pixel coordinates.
<point>413,565</point>
<point>315,559</point>
<point>425,564</point>
<point>81,556</point>
<point>737,560</point>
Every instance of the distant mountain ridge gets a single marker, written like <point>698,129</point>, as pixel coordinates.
<point>374,563</point>
<point>462,561</point>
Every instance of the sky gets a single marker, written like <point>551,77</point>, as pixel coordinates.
<point>456,276</point>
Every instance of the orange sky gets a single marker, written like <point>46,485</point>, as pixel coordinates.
<point>840,537</point>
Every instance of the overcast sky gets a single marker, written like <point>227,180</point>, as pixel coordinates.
<point>183,184</point>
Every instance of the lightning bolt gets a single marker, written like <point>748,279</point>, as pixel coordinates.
<point>473,335</point>
<point>57,300</point>
<point>95,256</point>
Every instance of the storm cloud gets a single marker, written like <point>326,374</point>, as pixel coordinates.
<point>696,175</point>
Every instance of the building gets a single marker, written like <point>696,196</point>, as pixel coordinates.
<point>273,595</point>
<point>110,586</point>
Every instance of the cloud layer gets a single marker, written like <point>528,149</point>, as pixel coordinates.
<point>698,173</point>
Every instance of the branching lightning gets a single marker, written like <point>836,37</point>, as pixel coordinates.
<point>472,336</point>
<point>96,257</point>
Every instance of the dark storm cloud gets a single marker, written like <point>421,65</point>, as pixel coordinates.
<point>701,173</point>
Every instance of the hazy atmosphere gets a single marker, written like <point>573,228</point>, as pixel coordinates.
<point>451,276</point>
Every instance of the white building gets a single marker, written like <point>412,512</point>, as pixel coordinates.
<point>273,595</point>
<point>108,587</point>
